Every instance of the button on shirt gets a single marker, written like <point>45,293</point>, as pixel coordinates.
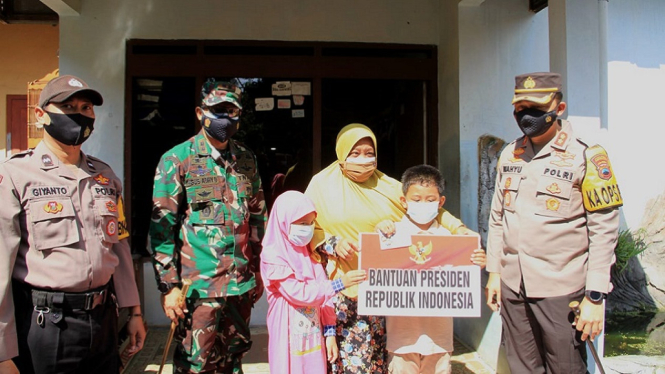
<point>539,230</point>
<point>61,230</point>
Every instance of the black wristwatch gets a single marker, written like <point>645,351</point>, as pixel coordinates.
<point>165,287</point>
<point>595,297</point>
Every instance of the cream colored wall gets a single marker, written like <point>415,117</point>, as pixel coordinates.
<point>27,52</point>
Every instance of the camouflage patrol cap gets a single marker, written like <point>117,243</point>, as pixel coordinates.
<point>63,87</point>
<point>214,92</point>
<point>537,87</point>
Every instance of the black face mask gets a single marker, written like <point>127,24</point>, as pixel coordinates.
<point>70,129</point>
<point>221,127</point>
<point>534,122</point>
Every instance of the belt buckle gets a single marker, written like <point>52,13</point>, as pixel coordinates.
<point>94,299</point>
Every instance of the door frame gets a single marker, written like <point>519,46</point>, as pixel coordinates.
<point>305,60</point>
<point>17,128</point>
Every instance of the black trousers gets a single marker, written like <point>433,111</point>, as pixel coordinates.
<point>538,334</point>
<point>67,341</point>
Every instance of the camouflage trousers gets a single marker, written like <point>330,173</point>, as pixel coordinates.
<point>214,336</point>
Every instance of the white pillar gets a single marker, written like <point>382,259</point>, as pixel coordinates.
<point>578,52</point>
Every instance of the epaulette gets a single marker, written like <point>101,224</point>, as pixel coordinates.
<point>97,160</point>
<point>20,154</point>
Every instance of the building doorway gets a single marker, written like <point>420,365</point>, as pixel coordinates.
<point>297,96</point>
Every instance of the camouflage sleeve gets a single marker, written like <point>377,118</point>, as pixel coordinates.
<point>167,195</point>
<point>257,220</point>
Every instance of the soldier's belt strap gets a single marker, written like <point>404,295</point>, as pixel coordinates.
<point>70,300</point>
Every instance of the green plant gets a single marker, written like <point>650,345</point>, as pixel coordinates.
<point>629,245</point>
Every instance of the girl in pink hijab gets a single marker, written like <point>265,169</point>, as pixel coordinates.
<point>300,311</point>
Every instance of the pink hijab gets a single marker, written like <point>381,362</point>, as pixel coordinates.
<point>277,249</point>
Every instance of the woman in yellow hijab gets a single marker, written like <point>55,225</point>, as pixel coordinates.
<point>352,196</point>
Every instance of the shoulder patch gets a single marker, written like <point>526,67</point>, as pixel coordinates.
<point>123,230</point>
<point>599,189</point>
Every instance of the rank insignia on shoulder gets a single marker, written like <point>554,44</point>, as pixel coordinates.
<point>111,206</point>
<point>53,207</point>
<point>47,161</point>
<point>599,189</point>
<point>101,179</point>
<point>561,139</point>
<point>553,204</point>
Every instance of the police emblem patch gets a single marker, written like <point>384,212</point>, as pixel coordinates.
<point>46,160</point>
<point>553,204</point>
<point>101,179</point>
<point>529,83</point>
<point>602,164</point>
<point>53,207</point>
<point>111,206</point>
<point>554,188</point>
<point>111,227</point>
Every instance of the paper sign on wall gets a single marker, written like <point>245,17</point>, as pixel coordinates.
<point>298,99</point>
<point>284,103</point>
<point>301,88</point>
<point>298,113</point>
<point>264,104</point>
<point>281,88</point>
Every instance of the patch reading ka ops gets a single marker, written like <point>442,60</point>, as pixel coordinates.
<point>599,189</point>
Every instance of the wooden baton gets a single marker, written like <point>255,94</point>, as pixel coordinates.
<point>181,301</point>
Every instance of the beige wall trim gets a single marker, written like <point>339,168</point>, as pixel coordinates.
<point>64,7</point>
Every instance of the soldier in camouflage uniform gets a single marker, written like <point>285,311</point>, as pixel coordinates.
<point>207,223</point>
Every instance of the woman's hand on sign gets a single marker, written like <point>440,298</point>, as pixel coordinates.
<point>353,277</point>
<point>387,228</point>
<point>479,258</point>
<point>346,249</point>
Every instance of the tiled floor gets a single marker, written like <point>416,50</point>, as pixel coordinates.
<point>464,361</point>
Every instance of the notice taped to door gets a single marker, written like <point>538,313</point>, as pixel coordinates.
<point>433,277</point>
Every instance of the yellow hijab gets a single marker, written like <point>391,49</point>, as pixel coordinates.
<point>346,208</point>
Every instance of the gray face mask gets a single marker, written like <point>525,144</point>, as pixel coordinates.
<point>220,127</point>
<point>534,122</point>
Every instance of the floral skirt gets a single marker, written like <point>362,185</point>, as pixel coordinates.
<point>361,340</point>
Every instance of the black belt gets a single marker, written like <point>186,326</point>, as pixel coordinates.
<point>70,300</point>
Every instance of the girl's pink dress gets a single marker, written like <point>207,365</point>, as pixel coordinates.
<point>299,293</point>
